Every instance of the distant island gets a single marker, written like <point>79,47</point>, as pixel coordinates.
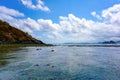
<point>109,42</point>
<point>94,43</point>
<point>12,35</point>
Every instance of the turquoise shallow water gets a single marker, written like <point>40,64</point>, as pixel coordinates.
<point>61,63</point>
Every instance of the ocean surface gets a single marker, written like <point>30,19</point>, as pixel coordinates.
<point>61,63</point>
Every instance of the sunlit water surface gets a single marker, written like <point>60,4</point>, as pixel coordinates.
<point>61,63</point>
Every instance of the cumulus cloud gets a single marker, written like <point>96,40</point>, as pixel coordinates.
<point>40,5</point>
<point>70,28</point>
<point>12,16</point>
<point>11,12</point>
<point>96,15</point>
<point>112,14</point>
<point>82,30</point>
<point>47,25</point>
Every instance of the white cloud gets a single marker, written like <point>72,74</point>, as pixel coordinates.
<point>69,29</point>
<point>28,30</point>
<point>40,5</point>
<point>112,14</point>
<point>82,30</point>
<point>47,25</point>
<point>96,15</point>
<point>74,29</point>
<point>5,16</point>
<point>11,12</point>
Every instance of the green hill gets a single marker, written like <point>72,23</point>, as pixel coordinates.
<point>12,35</point>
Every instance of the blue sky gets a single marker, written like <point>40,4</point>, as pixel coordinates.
<point>61,21</point>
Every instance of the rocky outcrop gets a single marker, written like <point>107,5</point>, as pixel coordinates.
<point>12,35</point>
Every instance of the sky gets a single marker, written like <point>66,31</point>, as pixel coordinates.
<point>64,21</point>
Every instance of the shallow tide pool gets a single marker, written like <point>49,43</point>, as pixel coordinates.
<point>61,63</point>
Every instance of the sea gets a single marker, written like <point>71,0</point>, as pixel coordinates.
<point>61,62</point>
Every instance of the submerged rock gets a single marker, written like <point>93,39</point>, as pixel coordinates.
<point>52,66</point>
<point>52,50</point>
<point>36,64</point>
<point>38,49</point>
<point>47,64</point>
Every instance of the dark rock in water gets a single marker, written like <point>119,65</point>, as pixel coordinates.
<point>37,65</point>
<point>47,64</point>
<point>51,79</point>
<point>52,50</point>
<point>52,66</point>
<point>38,49</point>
